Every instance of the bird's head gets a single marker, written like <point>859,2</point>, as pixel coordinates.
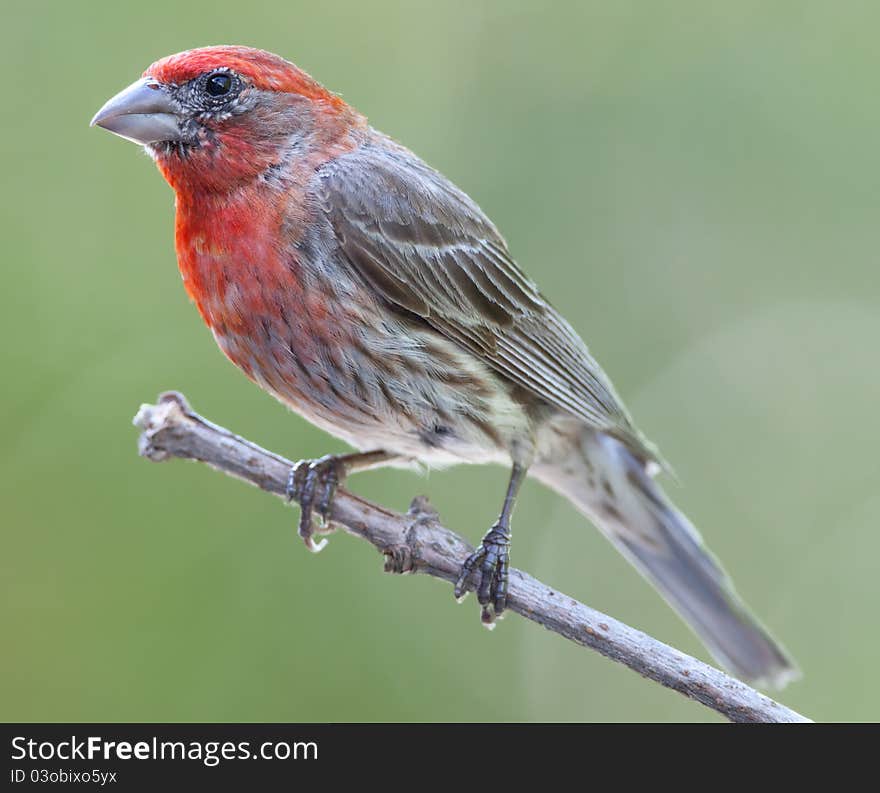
<point>217,116</point>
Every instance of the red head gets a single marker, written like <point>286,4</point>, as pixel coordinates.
<point>216,117</point>
<point>261,69</point>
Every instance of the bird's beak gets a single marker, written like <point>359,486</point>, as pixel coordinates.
<point>142,113</point>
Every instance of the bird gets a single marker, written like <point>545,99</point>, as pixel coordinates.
<point>365,291</point>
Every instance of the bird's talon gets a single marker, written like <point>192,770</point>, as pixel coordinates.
<point>313,484</point>
<point>295,479</point>
<point>461,585</point>
<point>315,547</point>
<point>490,563</point>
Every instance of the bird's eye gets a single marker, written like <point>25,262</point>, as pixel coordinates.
<point>218,84</point>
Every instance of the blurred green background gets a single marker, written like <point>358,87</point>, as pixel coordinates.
<point>696,186</point>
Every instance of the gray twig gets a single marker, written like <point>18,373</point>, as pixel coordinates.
<point>416,542</point>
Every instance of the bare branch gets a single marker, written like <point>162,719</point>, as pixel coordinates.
<point>416,542</point>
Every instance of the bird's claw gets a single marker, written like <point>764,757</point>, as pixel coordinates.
<point>490,565</point>
<point>313,484</point>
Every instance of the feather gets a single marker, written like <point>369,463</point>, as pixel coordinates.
<point>429,250</point>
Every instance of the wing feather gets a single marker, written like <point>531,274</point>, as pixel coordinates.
<point>428,249</point>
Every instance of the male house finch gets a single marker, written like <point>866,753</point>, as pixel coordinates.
<point>365,291</point>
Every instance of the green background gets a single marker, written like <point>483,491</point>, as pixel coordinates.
<point>695,186</point>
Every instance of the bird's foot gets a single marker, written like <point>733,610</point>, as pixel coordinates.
<point>489,565</point>
<point>313,484</point>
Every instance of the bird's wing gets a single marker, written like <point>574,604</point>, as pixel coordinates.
<point>427,248</point>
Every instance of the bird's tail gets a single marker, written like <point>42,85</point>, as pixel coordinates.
<point>609,484</point>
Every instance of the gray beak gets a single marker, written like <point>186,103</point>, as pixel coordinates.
<point>142,113</point>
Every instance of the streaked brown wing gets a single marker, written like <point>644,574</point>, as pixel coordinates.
<point>426,247</point>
